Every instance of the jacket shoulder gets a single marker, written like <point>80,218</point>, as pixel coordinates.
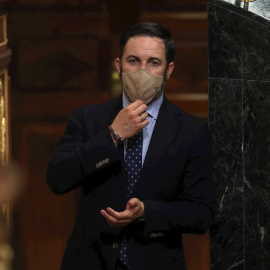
<point>96,109</point>
<point>186,118</point>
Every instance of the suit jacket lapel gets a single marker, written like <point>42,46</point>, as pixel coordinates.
<point>120,181</point>
<point>166,128</point>
<point>112,108</point>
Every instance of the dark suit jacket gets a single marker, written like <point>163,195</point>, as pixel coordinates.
<point>175,186</point>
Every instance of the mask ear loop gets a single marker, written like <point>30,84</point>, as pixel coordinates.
<point>121,71</point>
<point>165,73</point>
<point>164,81</point>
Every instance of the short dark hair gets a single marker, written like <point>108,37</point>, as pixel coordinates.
<point>148,29</point>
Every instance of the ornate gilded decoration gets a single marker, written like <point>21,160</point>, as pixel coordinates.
<point>3,30</point>
<point>116,87</point>
<point>3,120</point>
<point>3,132</point>
<point>6,174</point>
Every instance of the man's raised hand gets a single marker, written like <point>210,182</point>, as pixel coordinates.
<point>130,120</point>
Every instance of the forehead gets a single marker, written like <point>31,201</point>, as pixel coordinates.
<point>141,45</point>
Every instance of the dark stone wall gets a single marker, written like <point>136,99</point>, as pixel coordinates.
<point>239,120</point>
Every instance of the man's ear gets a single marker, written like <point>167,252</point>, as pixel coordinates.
<point>118,65</point>
<point>170,70</point>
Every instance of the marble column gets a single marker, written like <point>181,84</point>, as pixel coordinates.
<point>239,120</point>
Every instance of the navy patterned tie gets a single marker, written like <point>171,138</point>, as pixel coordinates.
<point>133,162</point>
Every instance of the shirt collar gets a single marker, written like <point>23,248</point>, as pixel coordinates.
<point>152,109</point>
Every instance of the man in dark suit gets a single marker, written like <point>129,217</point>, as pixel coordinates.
<point>129,218</point>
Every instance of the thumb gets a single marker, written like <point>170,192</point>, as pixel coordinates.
<point>132,203</point>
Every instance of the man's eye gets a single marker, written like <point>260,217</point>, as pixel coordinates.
<point>133,61</point>
<point>154,63</point>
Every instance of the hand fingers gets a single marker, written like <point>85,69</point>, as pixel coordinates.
<point>134,105</point>
<point>137,106</point>
<point>133,202</point>
<point>115,214</point>
<point>143,116</point>
<point>137,205</point>
<point>125,215</point>
<point>113,222</point>
<point>141,109</point>
<point>128,214</point>
<point>144,123</point>
<point>134,208</point>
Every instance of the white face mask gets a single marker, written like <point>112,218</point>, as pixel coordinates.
<point>141,84</point>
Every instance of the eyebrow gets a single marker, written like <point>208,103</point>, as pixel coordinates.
<point>151,58</point>
<point>155,58</point>
<point>132,56</point>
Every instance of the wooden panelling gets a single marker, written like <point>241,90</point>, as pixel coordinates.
<point>173,5</point>
<point>60,52</point>
<point>59,6</point>
<point>44,220</point>
<point>52,107</point>
<point>60,62</point>
<point>41,3</point>
<point>57,25</point>
<point>195,104</point>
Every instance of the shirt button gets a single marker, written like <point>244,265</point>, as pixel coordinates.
<point>115,245</point>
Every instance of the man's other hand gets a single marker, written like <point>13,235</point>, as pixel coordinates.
<point>134,209</point>
<point>130,120</point>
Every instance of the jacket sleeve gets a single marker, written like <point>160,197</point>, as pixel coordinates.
<point>193,211</point>
<point>80,155</point>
